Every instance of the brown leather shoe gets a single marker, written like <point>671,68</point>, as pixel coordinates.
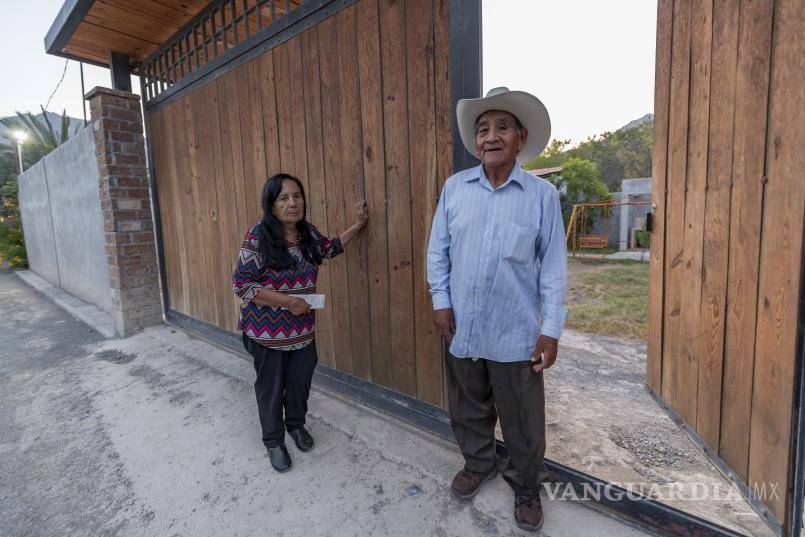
<point>528,512</point>
<point>466,484</point>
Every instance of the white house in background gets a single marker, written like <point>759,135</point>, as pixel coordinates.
<point>633,217</point>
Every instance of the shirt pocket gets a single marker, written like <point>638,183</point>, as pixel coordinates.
<point>519,243</point>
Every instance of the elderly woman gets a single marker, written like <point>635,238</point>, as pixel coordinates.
<point>278,263</point>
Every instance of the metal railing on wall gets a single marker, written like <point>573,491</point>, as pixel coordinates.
<point>207,39</point>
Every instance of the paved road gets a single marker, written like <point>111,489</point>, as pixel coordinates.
<point>157,435</point>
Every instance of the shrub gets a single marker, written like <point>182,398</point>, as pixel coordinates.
<point>643,238</point>
<point>12,244</point>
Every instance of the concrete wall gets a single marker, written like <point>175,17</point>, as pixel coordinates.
<point>37,225</point>
<point>61,206</point>
<point>633,187</point>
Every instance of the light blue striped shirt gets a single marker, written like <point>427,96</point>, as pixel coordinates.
<point>497,257</point>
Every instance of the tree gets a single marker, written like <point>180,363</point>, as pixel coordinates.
<point>579,182</point>
<point>551,156</point>
<point>42,139</point>
<point>618,155</point>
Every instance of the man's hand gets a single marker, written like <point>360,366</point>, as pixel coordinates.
<point>445,323</point>
<point>547,348</point>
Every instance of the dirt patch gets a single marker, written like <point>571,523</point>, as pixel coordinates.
<point>658,446</point>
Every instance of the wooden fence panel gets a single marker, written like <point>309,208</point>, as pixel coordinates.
<point>424,189</point>
<point>731,273</point>
<point>269,107</point>
<point>752,87</point>
<point>398,184</point>
<point>444,117</point>
<point>779,291</point>
<point>354,189</point>
<point>229,234</point>
<point>331,123</point>
<point>662,97</point>
<point>333,105</point>
<point>675,199</point>
<point>374,172</point>
<point>317,199</point>
<point>205,199</point>
<point>716,220</point>
<point>691,268</point>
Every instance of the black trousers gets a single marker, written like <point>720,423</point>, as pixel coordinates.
<point>283,383</point>
<point>480,391</point>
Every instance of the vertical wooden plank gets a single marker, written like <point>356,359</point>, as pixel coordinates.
<point>444,116</point>
<point>752,86</point>
<point>780,262</point>
<point>231,136</point>
<point>698,130</point>
<point>675,198</point>
<point>160,147</point>
<point>352,174</point>
<point>269,106</point>
<point>241,86</point>
<point>251,125</point>
<point>716,220</point>
<point>317,194</point>
<point>257,137</point>
<point>284,121</point>
<point>187,168</point>
<point>331,121</point>
<point>297,108</point>
<point>224,236</point>
<point>182,298</point>
<point>205,283</point>
<point>207,204</point>
<point>662,94</point>
<point>395,123</point>
<point>424,185</point>
<point>232,224</point>
<point>374,163</point>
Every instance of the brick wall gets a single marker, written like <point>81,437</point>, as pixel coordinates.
<point>125,201</point>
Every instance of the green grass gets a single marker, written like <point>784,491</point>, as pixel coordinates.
<point>603,261</point>
<point>593,250</point>
<point>611,301</point>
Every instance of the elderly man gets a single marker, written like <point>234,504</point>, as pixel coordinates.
<point>497,270</point>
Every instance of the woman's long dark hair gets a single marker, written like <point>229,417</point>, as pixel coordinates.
<point>273,246</point>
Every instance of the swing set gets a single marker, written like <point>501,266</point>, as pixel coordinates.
<point>581,221</point>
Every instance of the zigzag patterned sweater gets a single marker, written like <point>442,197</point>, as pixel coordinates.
<point>277,328</point>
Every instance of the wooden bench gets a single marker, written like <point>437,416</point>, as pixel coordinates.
<point>593,241</point>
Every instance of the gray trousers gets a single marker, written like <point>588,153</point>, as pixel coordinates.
<point>480,391</point>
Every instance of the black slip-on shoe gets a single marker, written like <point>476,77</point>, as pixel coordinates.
<point>280,459</point>
<point>302,439</point>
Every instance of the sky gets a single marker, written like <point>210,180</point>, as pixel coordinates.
<point>590,62</point>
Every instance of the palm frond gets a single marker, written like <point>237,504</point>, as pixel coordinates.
<point>51,133</point>
<point>65,127</point>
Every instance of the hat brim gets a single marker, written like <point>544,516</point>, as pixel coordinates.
<point>528,109</point>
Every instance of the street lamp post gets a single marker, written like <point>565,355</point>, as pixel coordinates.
<point>20,136</point>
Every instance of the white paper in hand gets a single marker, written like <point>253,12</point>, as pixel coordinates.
<point>315,302</point>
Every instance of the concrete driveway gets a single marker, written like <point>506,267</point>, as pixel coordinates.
<point>157,435</point>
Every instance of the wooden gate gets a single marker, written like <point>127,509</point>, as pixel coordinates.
<point>356,105</point>
<point>727,246</point>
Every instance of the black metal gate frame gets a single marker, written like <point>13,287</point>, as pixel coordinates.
<point>466,82</point>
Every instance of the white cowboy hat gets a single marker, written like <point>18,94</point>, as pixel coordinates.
<point>525,107</point>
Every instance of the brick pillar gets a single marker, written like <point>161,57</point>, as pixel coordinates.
<point>125,201</point>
